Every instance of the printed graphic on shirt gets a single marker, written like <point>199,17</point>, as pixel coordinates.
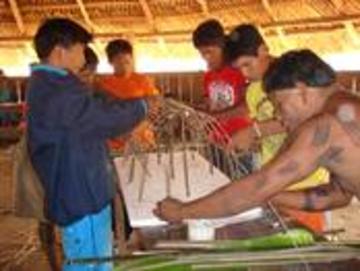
<point>221,94</point>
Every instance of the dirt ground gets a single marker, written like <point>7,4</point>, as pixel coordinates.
<point>20,248</point>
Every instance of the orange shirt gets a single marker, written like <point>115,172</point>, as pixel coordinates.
<point>314,221</point>
<point>131,87</point>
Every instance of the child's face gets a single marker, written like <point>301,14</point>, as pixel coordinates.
<point>213,56</point>
<point>73,58</point>
<point>253,66</point>
<point>123,63</point>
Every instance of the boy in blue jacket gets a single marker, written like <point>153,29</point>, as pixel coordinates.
<point>67,133</point>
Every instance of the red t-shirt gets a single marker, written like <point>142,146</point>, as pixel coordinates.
<point>224,88</point>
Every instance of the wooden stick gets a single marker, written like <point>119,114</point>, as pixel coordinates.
<point>132,169</point>
<point>143,179</point>
<point>185,161</point>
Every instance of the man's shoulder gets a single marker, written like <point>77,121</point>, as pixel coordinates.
<point>344,106</point>
<point>341,110</point>
<point>44,78</point>
<point>40,85</point>
<point>43,85</point>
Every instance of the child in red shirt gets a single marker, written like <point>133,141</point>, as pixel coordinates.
<point>224,87</point>
<point>224,90</point>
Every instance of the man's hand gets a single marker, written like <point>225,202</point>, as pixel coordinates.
<point>169,210</point>
<point>143,136</point>
<point>244,140</point>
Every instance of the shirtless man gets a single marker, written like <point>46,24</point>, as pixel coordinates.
<point>324,128</point>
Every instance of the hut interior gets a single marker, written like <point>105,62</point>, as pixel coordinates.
<point>160,31</point>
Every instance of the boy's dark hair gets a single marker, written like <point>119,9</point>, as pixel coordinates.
<point>209,33</point>
<point>91,59</point>
<point>118,46</point>
<point>298,66</point>
<point>244,40</point>
<point>59,32</point>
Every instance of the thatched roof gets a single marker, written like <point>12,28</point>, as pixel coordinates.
<point>327,26</point>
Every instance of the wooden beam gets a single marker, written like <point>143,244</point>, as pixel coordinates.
<point>169,34</point>
<point>291,27</point>
<point>204,7</point>
<point>85,15</point>
<point>17,15</point>
<point>270,12</point>
<point>70,6</point>
<point>148,14</point>
<point>314,22</point>
<point>284,40</point>
<point>352,33</point>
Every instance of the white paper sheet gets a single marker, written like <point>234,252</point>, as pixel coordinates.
<point>158,186</point>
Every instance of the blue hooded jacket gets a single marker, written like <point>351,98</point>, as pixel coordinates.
<point>67,133</point>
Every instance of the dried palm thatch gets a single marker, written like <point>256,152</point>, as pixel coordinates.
<point>162,28</point>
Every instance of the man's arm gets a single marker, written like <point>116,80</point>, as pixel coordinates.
<point>321,198</point>
<point>271,127</point>
<point>309,149</point>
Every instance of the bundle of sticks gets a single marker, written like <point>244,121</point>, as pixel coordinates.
<point>179,127</point>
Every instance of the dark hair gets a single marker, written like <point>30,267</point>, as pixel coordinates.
<point>298,66</point>
<point>59,32</point>
<point>119,46</point>
<point>91,59</point>
<point>244,40</point>
<point>209,33</point>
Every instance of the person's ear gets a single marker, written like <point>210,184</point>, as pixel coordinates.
<point>301,87</point>
<point>57,53</point>
<point>263,50</point>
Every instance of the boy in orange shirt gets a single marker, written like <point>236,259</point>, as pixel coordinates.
<point>126,84</point>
